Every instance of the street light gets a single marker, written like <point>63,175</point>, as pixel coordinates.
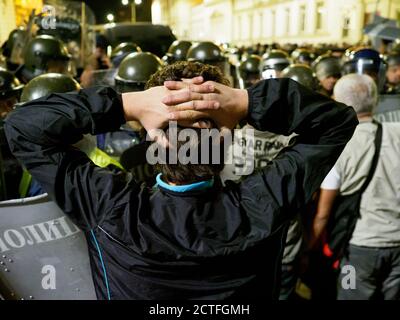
<point>138,2</point>
<point>125,2</point>
<point>110,17</point>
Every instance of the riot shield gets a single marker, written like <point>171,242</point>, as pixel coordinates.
<point>388,108</point>
<point>92,78</point>
<point>73,25</point>
<point>43,255</point>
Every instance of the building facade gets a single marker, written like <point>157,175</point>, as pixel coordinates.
<point>244,22</point>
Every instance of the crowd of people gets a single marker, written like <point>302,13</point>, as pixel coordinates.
<point>178,231</point>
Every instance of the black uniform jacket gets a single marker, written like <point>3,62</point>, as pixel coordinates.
<point>219,243</point>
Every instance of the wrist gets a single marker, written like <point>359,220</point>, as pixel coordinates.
<point>131,105</point>
<point>242,102</point>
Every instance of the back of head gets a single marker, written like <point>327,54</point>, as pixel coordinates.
<point>184,173</point>
<point>45,84</point>
<point>122,50</point>
<point>249,71</point>
<point>42,52</point>
<point>327,66</point>
<point>358,91</point>
<point>273,63</point>
<point>208,52</point>
<point>177,51</point>
<point>301,73</point>
<point>135,70</point>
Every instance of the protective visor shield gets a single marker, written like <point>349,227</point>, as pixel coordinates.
<point>101,78</point>
<point>376,69</point>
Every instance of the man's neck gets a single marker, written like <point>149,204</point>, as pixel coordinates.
<point>365,116</point>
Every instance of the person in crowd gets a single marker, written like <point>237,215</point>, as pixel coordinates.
<point>121,51</point>
<point>392,85</point>
<point>273,63</point>
<point>97,61</point>
<point>44,54</point>
<point>374,247</point>
<point>177,51</point>
<point>327,68</point>
<point>191,238</point>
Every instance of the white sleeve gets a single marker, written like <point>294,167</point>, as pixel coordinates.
<point>332,181</point>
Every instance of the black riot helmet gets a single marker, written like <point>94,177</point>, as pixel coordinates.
<point>249,71</point>
<point>392,59</point>
<point>209,53</point>
<point>365,60</point>
<point>48,83</point>
<point>42,53</point>
<point>121,51</point>
<point>9,85</point>
<point>273,62</point>
<point>15,36</point>
<point>326,66</point>
<point>301,73</point>
<point>303,56</point>
<point>135,70</point>
<point>177,51</point>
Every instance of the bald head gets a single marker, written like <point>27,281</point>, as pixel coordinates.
<point>358,91</point>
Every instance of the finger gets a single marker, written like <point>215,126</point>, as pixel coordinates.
<point>188,115</point>
<point>198,105</point>
<point>195,80</point>
<point>181,96</point>
<point>207,87</point>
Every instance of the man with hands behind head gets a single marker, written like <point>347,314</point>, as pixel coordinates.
<point>191,240</point>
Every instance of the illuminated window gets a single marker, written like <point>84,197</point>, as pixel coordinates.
<point>302,19</point>
<point>287,20</point>
<point>321,10</point>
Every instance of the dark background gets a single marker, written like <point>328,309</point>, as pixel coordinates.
<point>121,13</point>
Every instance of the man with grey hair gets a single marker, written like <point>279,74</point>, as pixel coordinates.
<point>374,247</point>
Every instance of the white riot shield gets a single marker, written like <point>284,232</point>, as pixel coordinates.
<point>388,108</point>
<point>43,255</point>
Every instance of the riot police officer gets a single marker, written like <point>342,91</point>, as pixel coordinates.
<point>177,51</point>
<point>121,51</point>
<point>249,71</point>
<point>327,68</point>
<point>301,73</point>
<point>273,63</point>
<point>10,90</point>
<point>209,53</point>
<point>368,61</point>
<point>12,48</point>
<point>303,56</point>
<point>44,54</point>
<point>365,60</point>
<point>392,85</point>
<point>135,70</point>
<point>39,87</point>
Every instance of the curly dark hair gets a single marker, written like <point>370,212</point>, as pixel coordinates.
<point>189,173</point>
<point>186,70</point>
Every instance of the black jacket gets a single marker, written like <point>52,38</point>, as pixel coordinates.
<point>211,244</point>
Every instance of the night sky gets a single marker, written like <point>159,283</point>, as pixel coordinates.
<point>121,13</point>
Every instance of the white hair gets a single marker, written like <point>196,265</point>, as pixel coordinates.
<point>358,91</point>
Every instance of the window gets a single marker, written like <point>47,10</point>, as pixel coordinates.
<point>321,10</point>
<point>346,27</point>
<point>302,19</point>
<point>287,20</point>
